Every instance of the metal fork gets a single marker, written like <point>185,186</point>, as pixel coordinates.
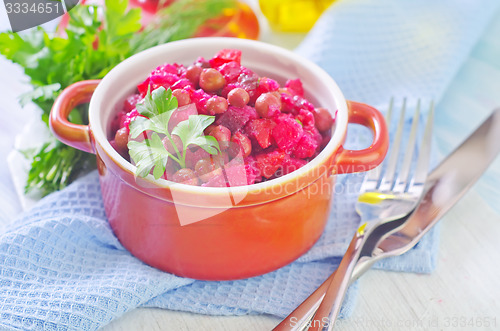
<point>388,199</point>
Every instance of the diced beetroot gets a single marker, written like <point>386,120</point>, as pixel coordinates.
<point>259,131</point>
<point>249,82</point>
<point>269,162</point>
<point>181,114</point>
<point>226,89</point>
<point>291,164</point>
<point>170,169</point>
<point>231,71</point>
<point>130,117</point>
<point>287,132</point>
<point>200,98</point>
<point>200,61</point>
<point>164,79</point>
<point>246,71</point>
<point>126,118</point>
<point>301,103</point>
<point>256,149</point>
<point>193,155</point>
<point>314,132</point>
<point>264,85</point>
<point>234,150</point>
<point>236,173</point>
<point>224,56</point>
<point>182,83</point>
<point>293,104</point>
<point>166,68</point>
<point>131,101</point>
<point>306,118</point>
<point>267,85</point>
<point>287,103</point>
<point>181,70</point>
<point>143,87</point>
<point>234,118</point>
<point>295,86</point>
<point>306,147</point>
<point>252,171</point>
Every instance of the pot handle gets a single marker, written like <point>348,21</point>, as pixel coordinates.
<point>350,161</point>
<point>74,135</point>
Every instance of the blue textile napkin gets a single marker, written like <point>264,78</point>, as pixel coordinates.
<point>376,50</point>
<point>61,267</point>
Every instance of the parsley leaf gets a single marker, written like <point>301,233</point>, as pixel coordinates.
<point>158,108</point>
<point>148,154</point>
<point>191,133</point>
<point>163,100</point>
<point>156,103</point>
<point>151,153</point>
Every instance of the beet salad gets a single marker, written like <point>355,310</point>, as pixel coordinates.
<point>217,123</point>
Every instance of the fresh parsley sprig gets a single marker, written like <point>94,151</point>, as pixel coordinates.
<point>88,48</point>
<point>157,108</point>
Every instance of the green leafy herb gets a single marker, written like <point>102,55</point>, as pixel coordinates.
<point>88,48</point>
<point>42,93</point>
<point>150,153</point>
<point>156,103</point>
<point>54,164</point>
<point>191,133</point>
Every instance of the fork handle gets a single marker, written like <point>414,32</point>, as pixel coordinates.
<point>301,316</point>
<point>328,310</point>
<point>349,161</point>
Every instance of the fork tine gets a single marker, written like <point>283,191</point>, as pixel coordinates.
<point>387,181</point>
<point>403,177</point>
<point>424,154</point>
<point>372,177</point>
<point>388,116</point>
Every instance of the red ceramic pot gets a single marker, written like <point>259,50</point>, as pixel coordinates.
<point>207,232</point>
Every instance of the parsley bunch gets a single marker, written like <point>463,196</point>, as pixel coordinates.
<point>157,109</point>
<point>92,46</point>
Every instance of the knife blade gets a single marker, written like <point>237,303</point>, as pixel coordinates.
<point>445,186</point>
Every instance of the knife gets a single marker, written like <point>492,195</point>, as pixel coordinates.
<point>445,185</point>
